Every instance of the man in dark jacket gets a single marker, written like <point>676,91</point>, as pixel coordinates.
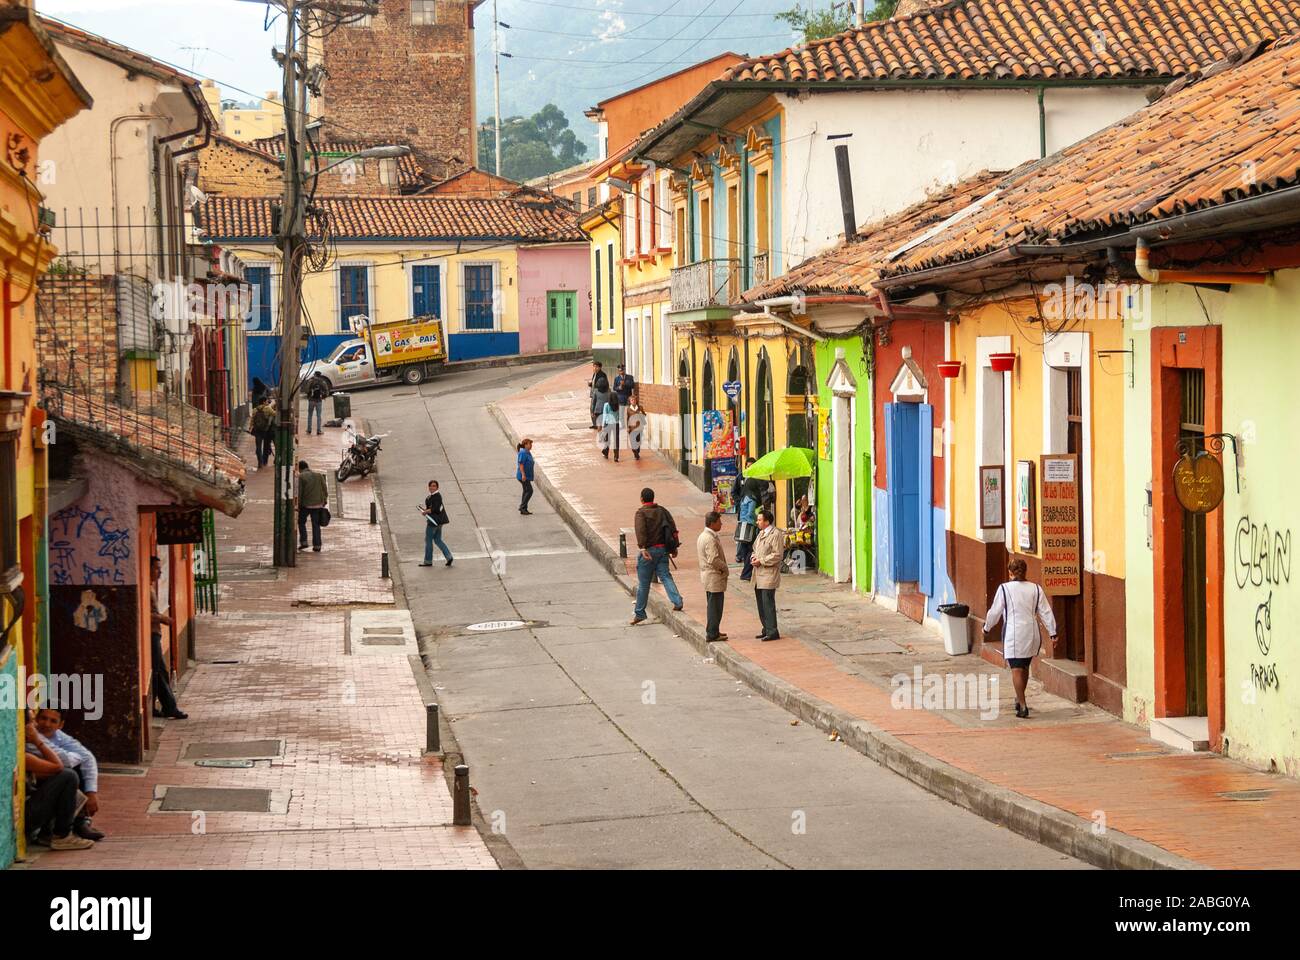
<point>598,390</point>
<point>313,495</point>
<point>657,539</point>
<point>435,518</point>
<point>624,385</point>
<point>263,428</point>
<point>317,391</point>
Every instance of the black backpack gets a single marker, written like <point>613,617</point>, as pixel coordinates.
<point>672,543</point>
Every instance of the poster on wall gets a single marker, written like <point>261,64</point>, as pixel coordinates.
<point>1026,518</point>
<point>992,497</point>
<point>824,434</point>
<point>723,473</point>
<point>719,435</point>
<point>1059,498</point>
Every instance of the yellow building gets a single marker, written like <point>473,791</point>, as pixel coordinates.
<point>42,94</point>
<point>603,225</point>
<point>246,123</point>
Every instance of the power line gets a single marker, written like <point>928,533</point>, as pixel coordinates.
<point>643,13</point>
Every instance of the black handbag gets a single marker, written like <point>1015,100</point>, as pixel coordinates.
<point>324,516</point>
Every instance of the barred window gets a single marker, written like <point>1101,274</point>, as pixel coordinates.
<point>8,502</point>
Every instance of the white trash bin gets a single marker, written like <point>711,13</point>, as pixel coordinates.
<point>955,619</point>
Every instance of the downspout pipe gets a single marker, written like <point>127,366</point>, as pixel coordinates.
<point>1042,124</point>
<point>1142,262</point>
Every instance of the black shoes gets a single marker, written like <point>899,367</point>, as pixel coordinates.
<point>426,564</point>
<point>178,715</point>
<point>775,636</point>
<point>525,513</point>
<point>449,561</point>
<point>82,828</point>
<point>1022,712</point>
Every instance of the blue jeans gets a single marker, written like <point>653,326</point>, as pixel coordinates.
<point>313,406</point>
<point>744,556</point>
<point>432,535</point>
<point>658,563</point>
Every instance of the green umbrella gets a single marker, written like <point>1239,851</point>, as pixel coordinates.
<point>783,464</point>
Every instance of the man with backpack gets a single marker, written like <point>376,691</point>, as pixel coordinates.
<point>657,539</point>
<point>316,394</point>
<point>263,428</point>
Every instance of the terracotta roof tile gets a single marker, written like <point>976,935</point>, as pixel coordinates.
<point>851,266</point>
<point>410,174</point>
<point>524,218</point>
<point>1033,40</point>
<point>1233,135</point>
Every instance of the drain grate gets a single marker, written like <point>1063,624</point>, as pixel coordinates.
<point>397,641</point>
<point>249,574</point>
<point>225,764</point>
<point>229,749</point>
<point>1248,796</point>
<point>585,425</point>
<point>383,631</point>
<point>122,771</point>
<point>1139,755</point>
<point>216,800</point>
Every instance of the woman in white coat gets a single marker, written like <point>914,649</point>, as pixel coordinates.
<point>1021,604</point>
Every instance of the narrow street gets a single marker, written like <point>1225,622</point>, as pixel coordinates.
<point>595,744</point>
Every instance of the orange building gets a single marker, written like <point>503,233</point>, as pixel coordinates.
<point>41,94</point>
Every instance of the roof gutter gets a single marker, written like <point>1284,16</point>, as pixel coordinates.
<point>204,126</point>
<point>1142,262</point>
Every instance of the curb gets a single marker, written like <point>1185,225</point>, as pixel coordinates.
<point>1050,826</point>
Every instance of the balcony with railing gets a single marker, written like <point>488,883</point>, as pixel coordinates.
<point>708,283</point>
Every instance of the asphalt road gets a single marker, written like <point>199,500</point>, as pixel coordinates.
<point>596,744</point>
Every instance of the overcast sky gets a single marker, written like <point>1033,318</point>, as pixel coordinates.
<point>221,39</point>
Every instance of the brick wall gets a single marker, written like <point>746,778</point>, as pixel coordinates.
<point>404,83</point>
<point>658,398</point>
<point>226,168</point>
<point>76,332</point>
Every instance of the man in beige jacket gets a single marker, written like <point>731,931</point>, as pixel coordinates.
<point>713,573</point>
<point>769,553</point>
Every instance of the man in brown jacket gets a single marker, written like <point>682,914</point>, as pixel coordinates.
<point>313,497</point>
<point>713,573</point>
<point>656,537</point>
<point>769,552</point>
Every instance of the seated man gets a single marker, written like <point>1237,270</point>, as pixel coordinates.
<point>52,796</point>
<point>49,724</point>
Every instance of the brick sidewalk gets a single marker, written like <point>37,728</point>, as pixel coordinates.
<point>840,649</point>
<point>285,659</point>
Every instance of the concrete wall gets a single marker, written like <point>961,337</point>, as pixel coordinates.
<point>944,136</point>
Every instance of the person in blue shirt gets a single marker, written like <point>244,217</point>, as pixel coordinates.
<point>75,757</point>
<point>747,512</point>
<point>524,473</point>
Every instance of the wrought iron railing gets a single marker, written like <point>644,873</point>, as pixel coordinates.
<point>708,283</point>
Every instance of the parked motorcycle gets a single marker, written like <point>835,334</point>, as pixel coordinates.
<point>359,457</point>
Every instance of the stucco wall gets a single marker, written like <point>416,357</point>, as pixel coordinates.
<point>862,497</point>
<point>541,270</point>
<point>945,136</point>
<point>1261,596</point>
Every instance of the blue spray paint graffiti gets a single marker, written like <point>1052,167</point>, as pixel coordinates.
<point>99,528</point>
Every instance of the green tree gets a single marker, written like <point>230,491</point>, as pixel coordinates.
<point>836,18</point>
<point>531,146</point>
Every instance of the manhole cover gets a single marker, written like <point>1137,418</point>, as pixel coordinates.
<point>1247,795</point>
<point>383,641</point>
<point>496,625</point>
<point>122,771</point>
<point>232,748</point>
<point>219,663</point>
<point>225,764</point>
<point>216,800</point>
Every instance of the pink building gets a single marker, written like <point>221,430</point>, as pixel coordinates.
<point>554,298</point>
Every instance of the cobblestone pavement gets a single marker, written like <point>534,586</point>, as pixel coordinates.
<point>286,660</point>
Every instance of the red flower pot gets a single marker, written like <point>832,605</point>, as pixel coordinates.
<point>1002,362</point>
<point>948,369</point>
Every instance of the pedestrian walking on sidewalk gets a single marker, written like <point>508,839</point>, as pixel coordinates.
<point>624,385</point>
<point>713,574</point>
<point>435,518</point>
<point>656,537</point>
<point>316,393</point>
<point>162,688</point>
<point>524,473</point>
<point>313,496</point>
<point>263,430</point>
<point>635,425</point>
<point>598,392</point>
<point>1021,604</point>
<point>609,427</point>
<point>769,551</point>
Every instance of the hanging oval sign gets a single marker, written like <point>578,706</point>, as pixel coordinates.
<point>1198,482</point>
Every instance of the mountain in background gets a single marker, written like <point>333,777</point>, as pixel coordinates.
<point>575,54</point>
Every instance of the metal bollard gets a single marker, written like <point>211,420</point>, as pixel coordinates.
<point>432,737</point>
<point>383,565</point>
<point>622,545</point>
<point>460,797</point>
<point>374,512</point>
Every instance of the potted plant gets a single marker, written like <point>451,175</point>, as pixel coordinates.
<point>1002,362</point>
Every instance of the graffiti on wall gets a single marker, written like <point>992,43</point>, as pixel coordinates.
<point>86,546</point>
<point>1262,560</point>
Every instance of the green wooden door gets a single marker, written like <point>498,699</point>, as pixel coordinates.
<point>562,320</point>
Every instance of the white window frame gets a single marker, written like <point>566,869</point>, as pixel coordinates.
<point>496,295</point>
<point>646,216</point>
<point>271,266</point>
<point>372,310</point>
<point>646,369</point>
<point>441,264</point>
<point>598,287</point>
<point>665,213</point>
<point>666,348</point>
<point>427,8</point>
<point>632,345</point>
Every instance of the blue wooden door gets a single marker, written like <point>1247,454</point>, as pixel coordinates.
<point>478,298</point>
<point>426,291</point>
<point>901,475</point>
<point>925,497</point>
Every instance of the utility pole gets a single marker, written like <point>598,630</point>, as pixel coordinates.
<point>496,83</point>
<point>292,241</point>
